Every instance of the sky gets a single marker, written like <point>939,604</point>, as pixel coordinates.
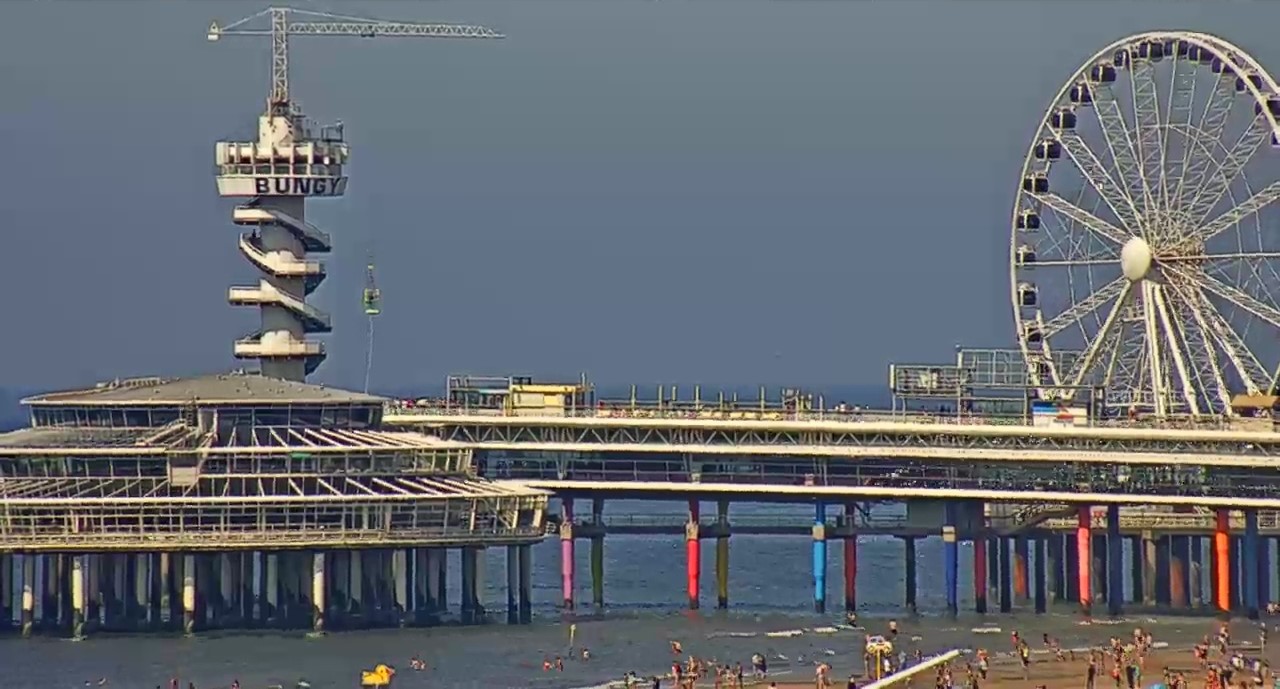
<point>693,191</point>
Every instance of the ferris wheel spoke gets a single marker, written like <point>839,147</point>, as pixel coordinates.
<point>1208,258</point>
<point>1081,262</point>
<point>1175,349</point>
<point>1213,121</point>
<point>1112,193</point>
<point>1109,331</point>
<point>1146,111</point>
<point>1244,362</point>
<point>1267,196</point>
<point>1208,196</point>
<point>1097,225</point>
<point>1239,297</point>
<point>1182,95</point>
<point>1085,307</point>
<point>1196,333</point>
<point>1119,144</point>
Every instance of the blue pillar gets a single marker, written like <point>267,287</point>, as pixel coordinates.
<point>1115,562</point>
<point>1250,564</point>
<point>1264,573</point>
<point>1039,585</point>
<point>820,558</point>
<point>951,559</point>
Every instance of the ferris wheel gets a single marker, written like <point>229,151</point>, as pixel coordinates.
<point>1145,230</point>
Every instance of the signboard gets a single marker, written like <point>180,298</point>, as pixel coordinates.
<point>282,186</point>
<point>1045,413</point>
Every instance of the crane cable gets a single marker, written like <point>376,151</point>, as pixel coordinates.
<point>372,304</point>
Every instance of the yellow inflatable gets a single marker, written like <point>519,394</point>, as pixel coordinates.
<point>379,676</point>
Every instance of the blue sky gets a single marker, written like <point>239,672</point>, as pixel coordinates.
<point>694,191</point>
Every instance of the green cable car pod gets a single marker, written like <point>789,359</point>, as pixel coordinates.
<point>372,298</point>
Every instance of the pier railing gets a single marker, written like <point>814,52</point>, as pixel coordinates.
<point>1130,520</point>
<point>712,412</point>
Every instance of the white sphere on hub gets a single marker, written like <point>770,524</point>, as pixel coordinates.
<point>1135,259</point>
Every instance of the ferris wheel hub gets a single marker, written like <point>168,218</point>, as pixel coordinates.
<point>1135,259</point>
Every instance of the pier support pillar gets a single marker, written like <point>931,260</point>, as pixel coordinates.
<point>431,591</point>
<point>1164,570</point>
<point>400,578</point>
<point>950,560</point>
<point>1039,577</point>
<point>820,558</point>
<point>442,579</point>
<point>28,564</point>
<point>273,584</point>
<point>513,584</point>
<point>722,555</point>
<point>1021,557</point>
<point>466,600</point>
<point>1222,561</point>
<point>422,595</point>
<point>141,590</point>
<point>693,555</point>
<point>1250,563</point>
<point>477,585</point>
<point>1147,547</point>
<point>526,584</point>
<point>597,553</point>
<point>1264,572</point>
<point>1084,559</point>
<point>79,593</point>
<point>318,599</point>
<point>980,585</point>
<point>1195,571</point>
<point>1053,566</point>
<point>912,582</point>
<point>7,590</point>
<point>1005,574</point>
<point>850,559</point>
<point>1115,562</point>
<point>188,593</point>
<point>566,553</point>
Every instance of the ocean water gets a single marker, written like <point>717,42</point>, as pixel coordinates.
<point>770,590</point>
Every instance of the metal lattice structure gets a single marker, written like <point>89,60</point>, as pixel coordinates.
<point>814,438</point>
<point>1143,228</point>
<point>183,488</point>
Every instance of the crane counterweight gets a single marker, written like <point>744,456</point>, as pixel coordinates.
<point>289,162</point>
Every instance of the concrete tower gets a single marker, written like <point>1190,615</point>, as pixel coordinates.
<point>289,163</point>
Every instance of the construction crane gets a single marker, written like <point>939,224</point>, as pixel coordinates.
<point>289,163</point>
<point>281,27</point>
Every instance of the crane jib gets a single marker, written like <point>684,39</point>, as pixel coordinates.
<point>299,186</point>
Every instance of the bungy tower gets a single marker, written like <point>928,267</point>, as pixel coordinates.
<point>287,164</point>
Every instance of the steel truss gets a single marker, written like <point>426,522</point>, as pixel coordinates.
<point>815,439</point>
<point>243,511</point>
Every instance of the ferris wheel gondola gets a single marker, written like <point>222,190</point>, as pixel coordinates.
<point>1145,233</point>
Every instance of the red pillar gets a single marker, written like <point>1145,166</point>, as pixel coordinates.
<point>851,573</point>
<point>693,555</point>
<point>1084,551</point>
<point>1222,560</point>
<point>980,574</point>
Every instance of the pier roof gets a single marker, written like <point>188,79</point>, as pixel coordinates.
<point>217,389</point>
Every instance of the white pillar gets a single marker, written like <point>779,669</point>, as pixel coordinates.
<point>433,579</point>
<point>479,582</point>
<point>189,593</point>
<point>142,586</point>
<point>78,596</point>
<point>28,593</point>
<point>256,610</point>
<point>273,584</point>
<point>400,574</point>
<point>317,592</point>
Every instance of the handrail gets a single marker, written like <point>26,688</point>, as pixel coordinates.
<point>713,412</point>
<point>1268,520</point>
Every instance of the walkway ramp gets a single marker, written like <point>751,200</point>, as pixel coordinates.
<point>313,239</point>
<point>313,320</point>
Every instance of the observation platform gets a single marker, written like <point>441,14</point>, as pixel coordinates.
<point>238,500</point>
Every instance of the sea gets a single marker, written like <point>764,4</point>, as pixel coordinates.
<point>770,612</point>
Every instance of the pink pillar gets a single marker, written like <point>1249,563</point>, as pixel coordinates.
<point>566,552</point>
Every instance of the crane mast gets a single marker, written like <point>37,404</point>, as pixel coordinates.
<point>288,163</point>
